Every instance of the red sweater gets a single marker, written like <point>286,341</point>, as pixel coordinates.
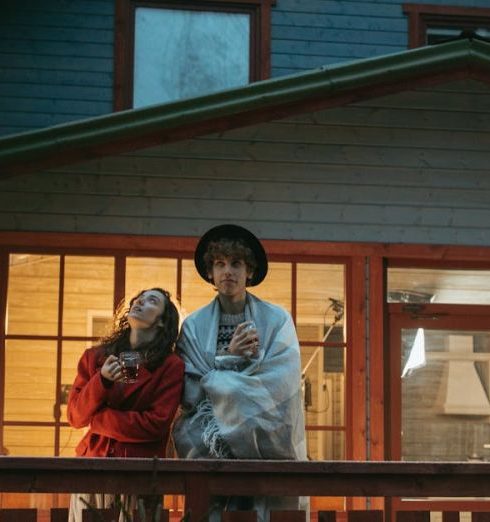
<point>124,420</point>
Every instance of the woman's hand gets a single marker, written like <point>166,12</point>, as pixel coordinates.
<point>245,341</point>
<point>112,369</point>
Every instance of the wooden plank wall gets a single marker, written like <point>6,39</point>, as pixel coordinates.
<point>56,56</point>
<point>311,33</point>
<point>409,167</point>
<point>55,62</point>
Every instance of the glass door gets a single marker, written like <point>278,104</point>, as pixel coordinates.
<point>439,401</point>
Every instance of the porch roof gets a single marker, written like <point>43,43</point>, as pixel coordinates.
<point>317,89</point>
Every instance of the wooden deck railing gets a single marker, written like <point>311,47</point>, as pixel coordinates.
<point>198,480</point>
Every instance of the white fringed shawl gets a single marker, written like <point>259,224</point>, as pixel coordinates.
<point>252,408</point>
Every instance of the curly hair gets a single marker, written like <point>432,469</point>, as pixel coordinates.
<point>154,351</point>
<point>234,248</point>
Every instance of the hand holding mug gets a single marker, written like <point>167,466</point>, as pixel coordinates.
<point>130,364</point>
<point>111,369</point>
<point>245,340</point>
<point>123,369</point>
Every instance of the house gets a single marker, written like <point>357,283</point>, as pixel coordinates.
<point>360,158</point>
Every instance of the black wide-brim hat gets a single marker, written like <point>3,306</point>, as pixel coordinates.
<point>232,232</point>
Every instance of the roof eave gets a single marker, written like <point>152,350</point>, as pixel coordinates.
<point>130,129</point>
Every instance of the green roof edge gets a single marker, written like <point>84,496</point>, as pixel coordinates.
<point>328,80</point>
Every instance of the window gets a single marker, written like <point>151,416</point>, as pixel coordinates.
<point>431,24</point>
<point>438,285</point>
<point>439,352</point>
<point>42,339</point>
<point>171,50</point>
<point>75,296</point>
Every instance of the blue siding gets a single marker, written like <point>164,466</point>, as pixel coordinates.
<point>56,56</point>
<point>56,62</point>
<point>410,167</point>
<point>311,33</point>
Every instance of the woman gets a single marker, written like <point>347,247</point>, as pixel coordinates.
<point>128,420</point>
<point>242,396</point>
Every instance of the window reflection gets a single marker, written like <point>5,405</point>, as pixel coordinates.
<point>445,403</point>
<point>444,33</point>
<point>424,285</point>
<point>217,48</point>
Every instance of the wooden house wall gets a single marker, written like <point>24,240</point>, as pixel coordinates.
<point>56,62</point>
<point>311,33</point>
<point>56,56</point>
<point>409,167</point>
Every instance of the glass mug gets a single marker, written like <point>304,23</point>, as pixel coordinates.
<point>250,326</point>
<point>130,365</point>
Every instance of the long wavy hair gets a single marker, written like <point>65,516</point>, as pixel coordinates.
<point>154,351</point>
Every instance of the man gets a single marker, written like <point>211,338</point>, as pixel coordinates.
<point>242,396</point>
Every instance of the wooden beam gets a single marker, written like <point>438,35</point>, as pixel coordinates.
<point>403,255</point>
<point>356,359</point>
<point>377,292</point>
<point>203,478</point>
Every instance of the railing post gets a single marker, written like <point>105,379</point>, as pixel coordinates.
<point>374,515</point>
<point>239,516</point>
<point>413,516</point>
<point>17,515</point>
<point>450,516</point>
<point>480,517</point>
<point>59,514</point>
<point>197,498</point>
<point>327,516</point>
<point>287,516</point>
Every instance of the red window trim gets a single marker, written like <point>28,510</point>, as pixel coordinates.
<point>358,257</point>
<point>420,15</point>
<point>181,248</point>
<point>260,14</point>
<point>300,250</point>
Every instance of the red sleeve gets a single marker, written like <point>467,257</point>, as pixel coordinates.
<point>154,422</point>
<point>88,394</point>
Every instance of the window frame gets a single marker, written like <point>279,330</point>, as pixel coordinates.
<point>422,15</point>
<point>366,264</point>
<point>179,248</point>
<point>124,35</point>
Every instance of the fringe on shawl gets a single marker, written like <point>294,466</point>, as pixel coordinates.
<point>211,436</point>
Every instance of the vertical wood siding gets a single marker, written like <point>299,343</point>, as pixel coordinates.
<point>409,168</point>
<point>55,62</point>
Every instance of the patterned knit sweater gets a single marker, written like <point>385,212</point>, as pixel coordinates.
<point>226,329</point>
